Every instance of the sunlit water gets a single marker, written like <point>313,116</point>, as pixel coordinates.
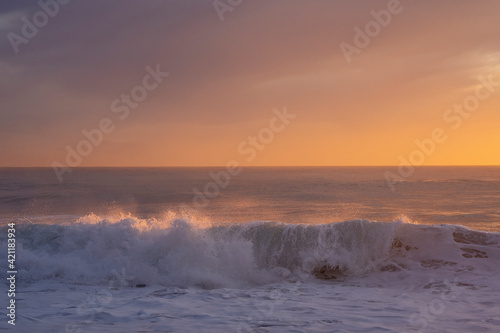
<point>468,196</point>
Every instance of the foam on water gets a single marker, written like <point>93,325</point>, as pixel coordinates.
<point>181,253</point>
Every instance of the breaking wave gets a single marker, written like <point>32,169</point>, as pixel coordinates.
<point>178,252</point>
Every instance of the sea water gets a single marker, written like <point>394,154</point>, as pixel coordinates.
<point>323,249</point>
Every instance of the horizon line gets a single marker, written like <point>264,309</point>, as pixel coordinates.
<point>258,166</point>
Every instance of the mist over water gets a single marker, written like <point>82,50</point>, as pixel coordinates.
<point>468,196</point>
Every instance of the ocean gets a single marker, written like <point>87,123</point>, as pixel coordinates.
<point>261,249</point>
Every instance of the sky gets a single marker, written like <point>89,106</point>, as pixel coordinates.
<point>262,83</point>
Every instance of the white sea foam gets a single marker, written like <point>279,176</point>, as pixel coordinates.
<point>180,253</point>
<point>354,276</point>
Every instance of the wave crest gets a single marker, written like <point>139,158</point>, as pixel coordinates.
<point>177,252</point>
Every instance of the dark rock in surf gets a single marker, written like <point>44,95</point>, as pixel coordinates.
<point>326,272</point>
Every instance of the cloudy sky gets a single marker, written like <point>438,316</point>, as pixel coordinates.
<point>230,66</point>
